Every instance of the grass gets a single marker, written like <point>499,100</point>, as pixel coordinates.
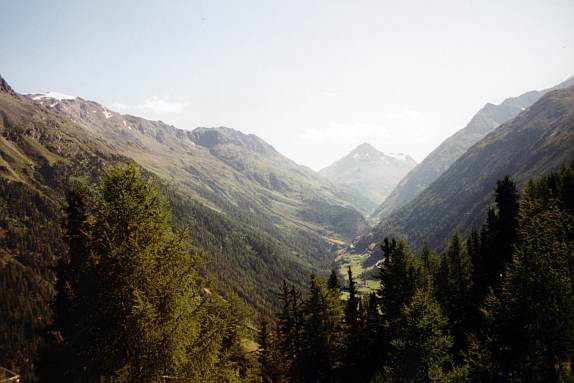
<point>364,277</point>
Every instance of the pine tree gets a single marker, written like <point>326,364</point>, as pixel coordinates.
<point>429,267</point>
<point>265,354</point>
<point>455,284</point>
<point>130,307</point>
<point>322,328</point>
<point>498,238</point>
<point>75,283</point>
<point>398,277</point>
<point>333,282</point>
<point>351,306</point>
<point>531,321</point>
<point>421,346</point>
<point>290,341</point>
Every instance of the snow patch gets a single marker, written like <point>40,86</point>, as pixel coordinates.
<point>55,95</point>
<point>397,156</point>
<point>126,125</point>
<point>360,156</point>
<point>107,114</point>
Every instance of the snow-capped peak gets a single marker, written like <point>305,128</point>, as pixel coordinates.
<point>397,156</point>
<point>55,95</point>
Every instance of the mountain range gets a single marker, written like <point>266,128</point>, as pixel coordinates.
<point>538,140</point>
<point>223,169</point>
<point>258,217</point>
<point>440,159</point>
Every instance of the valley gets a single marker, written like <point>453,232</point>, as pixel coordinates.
<point>257,219</point>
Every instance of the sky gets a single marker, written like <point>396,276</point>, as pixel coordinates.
<point>313,78</point>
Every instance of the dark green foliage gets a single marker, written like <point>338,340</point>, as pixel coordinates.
<point>421,347</point>
<point>452,320</point>
<point>130,305</point>
<point>352,304</point>
<point>398,276</point>
<point>454,289</point>
<point>333,281</point>
<point>531,320</point>
<point>267,355</point>
<point>30,240</point>
<point>499,236</point>
<point>244,259</point>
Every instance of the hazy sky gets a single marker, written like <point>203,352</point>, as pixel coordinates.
<point>313,78</point>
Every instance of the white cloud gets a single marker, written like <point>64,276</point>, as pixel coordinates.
<point>154,105</point>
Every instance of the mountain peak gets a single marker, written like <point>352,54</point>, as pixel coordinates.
<point>365,146</point>
<point>368,151</point>
<point>211,137</point>
<point>5,87</point>
<point>368,174</point>
<point>364,151</point>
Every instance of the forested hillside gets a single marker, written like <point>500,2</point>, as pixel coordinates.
<point>41,153</point>
<point>495,306</point>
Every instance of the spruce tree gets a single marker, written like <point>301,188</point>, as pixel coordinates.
<point>74,285</point>
<point>265,354</point>
<point>455,283</point>
<point>322,333</point>
<point>421,345</point>
<point>429,266</point>
<point>531,321</point>
<point>352,304</point>
<point>290,342</point>
<point>333,282</point>
<point>130,307</point>
<point>398,278</point>
<point>498,237</point>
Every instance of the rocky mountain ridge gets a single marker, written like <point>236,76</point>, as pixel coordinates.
<point>438,161</point>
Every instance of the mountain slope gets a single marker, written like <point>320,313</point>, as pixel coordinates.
<point>228,171</point>
<point>368,174</point>
<point>538,140</point>
<point>484,121</point>
<point>41,152</point>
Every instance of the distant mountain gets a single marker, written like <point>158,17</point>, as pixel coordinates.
<point>538,140</point>
<point>484,121</point>
<point>368,174</point>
